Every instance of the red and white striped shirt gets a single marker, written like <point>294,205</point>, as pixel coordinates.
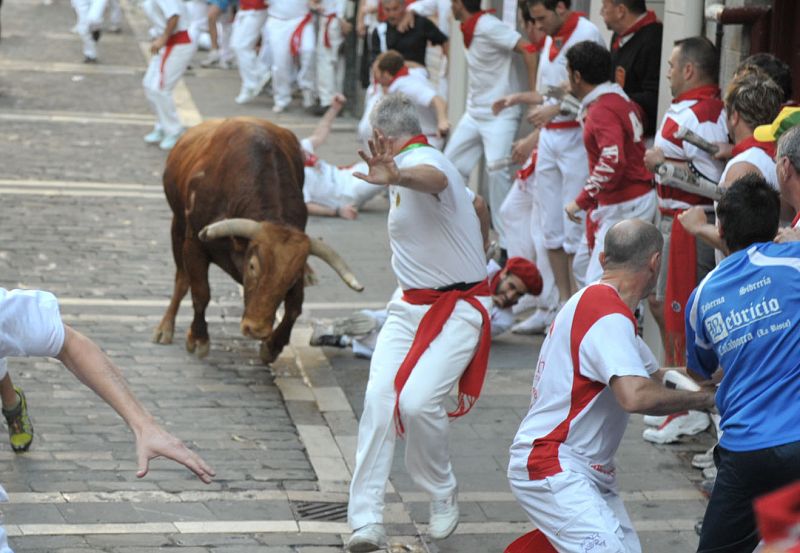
<point>574,421</point>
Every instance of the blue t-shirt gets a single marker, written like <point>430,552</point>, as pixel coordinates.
<point>743,318</point>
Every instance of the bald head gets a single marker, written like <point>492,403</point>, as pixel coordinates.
<point>630,244</point>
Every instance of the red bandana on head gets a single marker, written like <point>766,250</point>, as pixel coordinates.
<point>563,34</point>
<point>648,19</point>
<point>468,26</point>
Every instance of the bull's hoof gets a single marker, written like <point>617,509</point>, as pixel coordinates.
<point>162,335</point>
<point>267,353</point>
<point>197,346</point>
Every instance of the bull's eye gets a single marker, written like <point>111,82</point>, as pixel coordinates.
<point>253,266</point>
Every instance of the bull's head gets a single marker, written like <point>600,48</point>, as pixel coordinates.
<point>274,261</point>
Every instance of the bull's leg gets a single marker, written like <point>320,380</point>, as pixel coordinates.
<point>196,263</point>
<point>293,306</point>
<point>164,332</point>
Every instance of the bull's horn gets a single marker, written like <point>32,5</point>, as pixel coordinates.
<point>245,228</point>
<point>329,256</point>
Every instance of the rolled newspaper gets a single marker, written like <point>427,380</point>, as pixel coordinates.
<point>569,104</point>
<point>682,178</point>
<point>695,139</point>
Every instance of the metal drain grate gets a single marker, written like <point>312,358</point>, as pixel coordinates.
<point>318,510</point>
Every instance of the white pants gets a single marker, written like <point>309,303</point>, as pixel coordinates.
<point>159,82</point>
<point>85,25</point>
<point>644,207</point>
<point>576,515</point>
<point>493,138</point>
<point>247,27</point>
<point>421,406</point>
<point>561,171</point>
<point>329,70</point>
<point>521,216</point>
<point>4,547</point>
<point>280,33</point>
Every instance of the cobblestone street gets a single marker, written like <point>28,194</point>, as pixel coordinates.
<point>84,216</point>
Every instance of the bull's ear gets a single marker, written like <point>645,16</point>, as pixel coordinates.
<point>309,278</point>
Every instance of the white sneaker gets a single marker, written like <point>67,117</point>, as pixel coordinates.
<point>536,323</point>
<point>654,420</point>
<point>367,538</point>
<point>169,141</point>
<point>444,517</point>
<point>710,473</point>
<point>212,58</point>
<point>154,137</point>
<point>677,425</point>
<point>704,460</point>
<point>277,108</point>
<point>246,95</point>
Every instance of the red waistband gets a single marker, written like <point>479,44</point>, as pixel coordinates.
<point>562,125</point>
<point>181,37</point>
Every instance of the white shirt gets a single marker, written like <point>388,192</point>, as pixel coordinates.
<point>158,13</point>
<point>491,71</point>
<point>421,92</point>
<point>435,238</point>
<point>554,73</point>
<point>329,185</point>
<point>287,9</point>
<point>30,325</point>
<point>334,7</point>
<point>574,421</point>
<point>441,9</point>
<point>762,161</point>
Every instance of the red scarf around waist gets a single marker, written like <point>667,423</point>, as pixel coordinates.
<point>563,34</point>
<point>442,305</point>
<point>681,280</point>
<point>181,37</point>
<point>648,19</point>
<point>297,35</point>
<point>468,26</point>
<point>326,37</point>
<point>751,142</point>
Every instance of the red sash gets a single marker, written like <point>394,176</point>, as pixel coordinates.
<point>181,37</point>
<point>648,19</point>
<point>751,142</point>
<point>442,305</point>
<point>468,26</point>
<point>563,34</point>
<point>681,280</point>
<point>326,39</point>
<point>252,5</point>
<point>563,125</point>
<point>528,170</point>
<point>297,35</point>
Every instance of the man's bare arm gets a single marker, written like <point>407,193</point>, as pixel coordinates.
<point>531,62</point>
<point>323,128</point>
<point>637,394</point>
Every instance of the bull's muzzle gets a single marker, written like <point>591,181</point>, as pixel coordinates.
<point>256,330</point>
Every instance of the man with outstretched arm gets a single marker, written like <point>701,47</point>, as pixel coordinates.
<point>438,333</point>
<point>562,459</point>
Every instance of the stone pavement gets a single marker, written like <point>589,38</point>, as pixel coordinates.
<point>84,217</point>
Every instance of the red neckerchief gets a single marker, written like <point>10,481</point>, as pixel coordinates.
<point>441,307</point>
<point>705,92</point>
<point>418,139</point>
<point>751,142</point>
<point>402,73</point>
<point>297,35</point>
<point>309,159</point>
<point>468,26</point>
<point>648,19</point>
<point>533,48</point>
<point>563,34</point>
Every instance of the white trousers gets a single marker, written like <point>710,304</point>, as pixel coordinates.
<point>522,219</point>
<point>576,515</point>
<point>421,406</point>
<point>280,33</point>
<point>644,207</point>
<point>561,171</point>
<point>4,547</point>
<point>85,25</point>
<point>492,137</point>
<point>329,68</point>
<point>248,25</point>
<point>160,80</point>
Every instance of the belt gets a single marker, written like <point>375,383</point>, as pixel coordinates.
<point>460,286</point>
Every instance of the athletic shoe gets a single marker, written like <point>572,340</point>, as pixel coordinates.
<point>246,95</point>
<point>704,460</point>
<point>20,428</point>
<point>277,108</point>
<point>654,420</point>
<point>89,59</point>
<point>212,58</point>
<point>154,137</point>
<point>444,517</point>
<point>686,423</point>
<point>538,323</point>
<point>331,333</point>
<point>367,538</point>
<point>169,141</point>
<point>710,473</point>
<point>116,29</point>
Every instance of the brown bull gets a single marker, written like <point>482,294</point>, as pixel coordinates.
<point>235,187</point>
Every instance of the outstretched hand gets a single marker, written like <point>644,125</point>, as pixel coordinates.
<point>382,168</point>
<point>154,441</point>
